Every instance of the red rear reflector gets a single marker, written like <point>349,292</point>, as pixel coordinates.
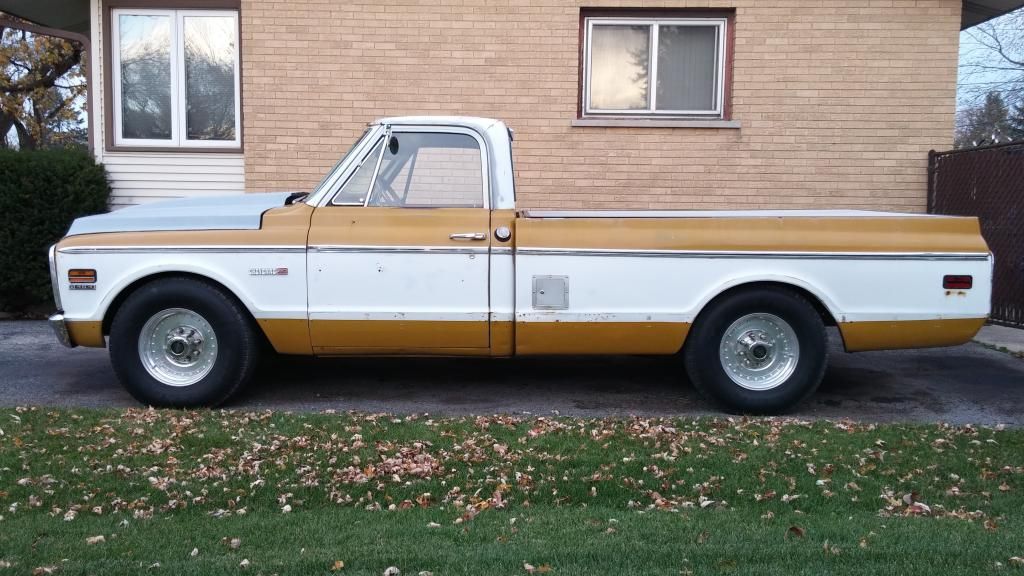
<point>82,276</point>
<point>950,282</point>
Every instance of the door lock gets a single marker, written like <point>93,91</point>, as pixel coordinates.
<point>502,233</point>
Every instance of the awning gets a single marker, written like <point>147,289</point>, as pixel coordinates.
<point>73,15</point>
<point>70,15</point>
<point>977,11</point>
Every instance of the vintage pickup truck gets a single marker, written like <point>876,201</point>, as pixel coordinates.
<point>412,245</point>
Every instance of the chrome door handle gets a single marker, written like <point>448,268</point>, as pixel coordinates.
<point>469,236</point>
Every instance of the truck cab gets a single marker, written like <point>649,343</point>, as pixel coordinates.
<point>415,227</point>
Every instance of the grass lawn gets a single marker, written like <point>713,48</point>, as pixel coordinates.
<point>229,492</point>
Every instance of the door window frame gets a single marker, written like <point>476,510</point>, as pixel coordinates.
<point>388,131</point>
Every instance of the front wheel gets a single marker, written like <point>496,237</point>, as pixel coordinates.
<point>758,350</point>
<point>182,342</point>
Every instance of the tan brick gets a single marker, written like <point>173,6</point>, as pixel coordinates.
<point>839,101</point>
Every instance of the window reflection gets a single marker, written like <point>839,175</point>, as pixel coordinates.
<point>210,77</point>
<point>619,57</point>
<point>145,54</point>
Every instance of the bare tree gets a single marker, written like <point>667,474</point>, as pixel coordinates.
<point>995,62</point>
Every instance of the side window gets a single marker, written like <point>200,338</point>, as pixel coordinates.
<point>430,169</point>
<point>355,189</point>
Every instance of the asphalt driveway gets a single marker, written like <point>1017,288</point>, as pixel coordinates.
<point>966,384</point>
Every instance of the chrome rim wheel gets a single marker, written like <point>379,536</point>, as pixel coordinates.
<point>759,351</point>
<point>178,347</point>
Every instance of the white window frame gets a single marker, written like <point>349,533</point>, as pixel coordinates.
<point>179,117</point>
<point>721,24</point>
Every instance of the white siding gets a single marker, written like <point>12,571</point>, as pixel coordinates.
<point>138,177</point>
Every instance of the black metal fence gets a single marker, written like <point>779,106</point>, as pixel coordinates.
<point>988,183</point>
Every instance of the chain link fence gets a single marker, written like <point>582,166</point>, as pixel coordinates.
<point>988,182</point>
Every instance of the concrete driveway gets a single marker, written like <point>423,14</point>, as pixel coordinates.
<point>966,384</point>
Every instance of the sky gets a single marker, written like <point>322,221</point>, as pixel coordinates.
<point>967,45</point>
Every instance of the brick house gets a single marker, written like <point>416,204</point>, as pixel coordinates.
<point>650,104</point>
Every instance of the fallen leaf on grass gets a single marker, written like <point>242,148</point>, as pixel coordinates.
<point>796,531</point>
<point>392,571</point>
<point>194,552</point>
<point>44,570</point>
<point>95,540</point>
<point>831,549</point>
<point>918,509</point>
<point>1016,561</point>
<point>338,565</point>
<point>244,563</point>
<point>433,525</point>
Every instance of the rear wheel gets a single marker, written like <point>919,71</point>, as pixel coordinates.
<point>758,350</point>
<point>182,342</point>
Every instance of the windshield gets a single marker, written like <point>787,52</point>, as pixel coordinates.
<point>329,178</point>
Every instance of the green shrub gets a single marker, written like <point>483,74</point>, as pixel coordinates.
<point>41,192</point>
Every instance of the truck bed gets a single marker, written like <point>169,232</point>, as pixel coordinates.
<point>719,214</point>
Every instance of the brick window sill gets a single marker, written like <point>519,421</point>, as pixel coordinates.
<point>654,123</point>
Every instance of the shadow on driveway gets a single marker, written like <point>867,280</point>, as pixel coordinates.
<point>965,384</point>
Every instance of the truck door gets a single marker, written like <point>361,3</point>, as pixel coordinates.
<point>398,257</point>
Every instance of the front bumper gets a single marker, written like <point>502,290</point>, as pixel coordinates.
<point>60,328</point>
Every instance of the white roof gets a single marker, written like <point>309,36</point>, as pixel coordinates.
<point>474,122</point>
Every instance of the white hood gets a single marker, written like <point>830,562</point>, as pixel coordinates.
<point>238,212</point>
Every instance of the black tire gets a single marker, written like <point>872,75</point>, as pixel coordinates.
<point>705,367</point>
<point>237,343</point>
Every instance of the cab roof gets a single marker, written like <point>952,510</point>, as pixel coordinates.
<point>481,125</point>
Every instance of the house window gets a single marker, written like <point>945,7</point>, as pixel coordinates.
<point>175,78</point>
<point>654,66</point>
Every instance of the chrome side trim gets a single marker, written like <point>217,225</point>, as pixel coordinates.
<point>60,329</point>
<point>531,251</point>
<point>753,254</point>
<point>179,249</point>
<point>53,276</point>
<point>333,249</point>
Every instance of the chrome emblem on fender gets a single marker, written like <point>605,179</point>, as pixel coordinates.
<point>268,271</point>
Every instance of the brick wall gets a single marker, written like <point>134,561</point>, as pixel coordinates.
<point>838,101</point>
